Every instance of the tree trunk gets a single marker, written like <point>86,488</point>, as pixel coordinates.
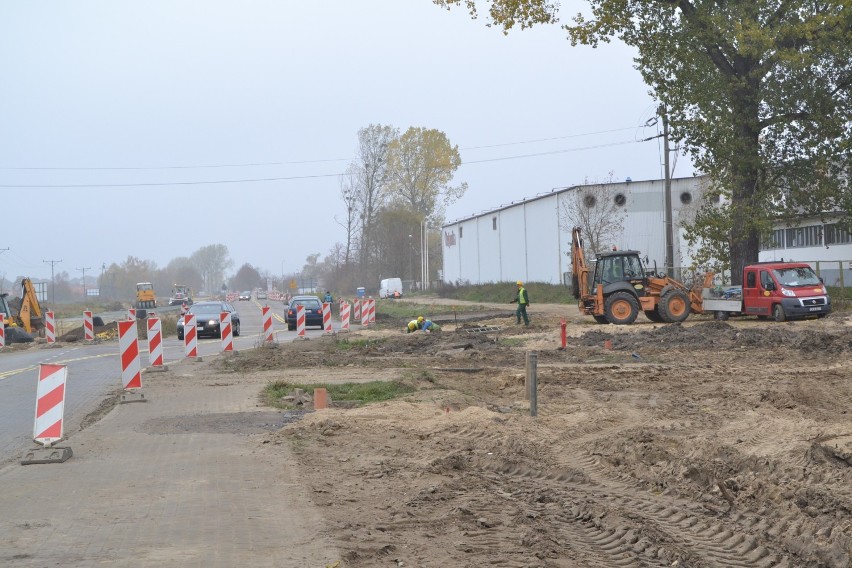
<point>745,180</point>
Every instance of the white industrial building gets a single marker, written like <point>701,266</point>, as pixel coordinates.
<point>530,240</point>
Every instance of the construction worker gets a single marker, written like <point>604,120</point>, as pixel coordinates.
<point>523,300</point>
<point>415,325</point>
<point>422,324</point>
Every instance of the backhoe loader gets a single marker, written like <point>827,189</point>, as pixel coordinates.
<point>29,316</point>
<point>621,287</point>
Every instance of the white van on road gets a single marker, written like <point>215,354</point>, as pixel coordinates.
<point>390,288</point>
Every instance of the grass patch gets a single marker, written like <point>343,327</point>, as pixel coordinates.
<point>502,292</point>
<point>356,343</point>
<point>365,393</point>
<point>407,309</point>
<point>512,341</point>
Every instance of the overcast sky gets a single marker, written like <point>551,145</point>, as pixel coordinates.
<point>104,95</point>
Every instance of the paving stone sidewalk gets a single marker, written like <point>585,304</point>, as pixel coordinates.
<point>178,481</point>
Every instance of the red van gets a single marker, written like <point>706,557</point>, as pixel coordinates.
<point>783,290</point>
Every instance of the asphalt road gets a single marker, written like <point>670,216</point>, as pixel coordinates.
<point>94,374</point>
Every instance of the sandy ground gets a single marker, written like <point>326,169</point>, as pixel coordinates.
<point>702,444</point>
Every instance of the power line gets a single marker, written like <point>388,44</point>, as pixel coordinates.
<point>290,178</point>
<point>287,163</point>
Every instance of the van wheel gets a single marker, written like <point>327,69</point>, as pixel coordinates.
<point>778,313</point>
<point>622,308</point>
<point>674,306</point>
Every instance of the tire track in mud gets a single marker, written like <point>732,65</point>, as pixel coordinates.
<point>684,528</point>
<point>717,542</point>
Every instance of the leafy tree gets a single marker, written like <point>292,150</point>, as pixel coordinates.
<point>758,93</point>
<point>212,261</point>
<point>421,164</point>
<point>247,278</point>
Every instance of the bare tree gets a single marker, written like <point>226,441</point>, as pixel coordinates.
<point>370,172</point>
<point>349,194</point>
<point>599,210</point>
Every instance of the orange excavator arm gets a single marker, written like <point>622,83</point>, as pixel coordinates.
<point>579,268</point>
<point>30,314</point>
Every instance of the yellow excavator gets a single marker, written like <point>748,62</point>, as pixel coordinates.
<point>29,316</point>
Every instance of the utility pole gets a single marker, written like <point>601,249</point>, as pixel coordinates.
<point>668,196</point>
<point>52,263</point>
<point>83,270</point>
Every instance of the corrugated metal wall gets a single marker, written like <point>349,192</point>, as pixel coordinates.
<point>524,241</point>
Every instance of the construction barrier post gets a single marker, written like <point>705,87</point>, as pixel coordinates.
<point>88,327</point>
<point>131,368</point>
<point>344,316</point>
<point>50,327</point>
<point>268,334</point>
<point>2,332</point>
<point>300,321</point>
<point>564,334</point>
<point>365,313</point>
<point>326,317</point>
<point>155,344</point>
<point>226,332</point>
<point>131,314</point>
<point>49,416</point>
<point>372,310</point>
<point>357,308</point>
<point>190,337</point>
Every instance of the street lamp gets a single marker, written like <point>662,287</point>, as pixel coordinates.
<point>410,253</point>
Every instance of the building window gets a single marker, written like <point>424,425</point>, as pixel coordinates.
<point>461,231</point>
<point>620,200</point>
<point>590,201</point>
<point>686,198</point>
<point>797,237</point>
<point>775,240</point>
<point>837,235</point>
<point>494,223</point>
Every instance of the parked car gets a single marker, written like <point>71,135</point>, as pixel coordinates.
<point>261,295</point>
<point>313,311</point>
<point>245,296</point>
<point>207,316</point>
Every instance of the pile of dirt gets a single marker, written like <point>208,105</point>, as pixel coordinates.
<point>102,332</point>
<point>724,444</point>
<point>716,336</point>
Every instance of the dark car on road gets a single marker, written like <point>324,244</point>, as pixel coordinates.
<point>313,311</point>
<point>207,316</point>
<point>245,296</point>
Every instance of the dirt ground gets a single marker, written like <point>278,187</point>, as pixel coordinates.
<point>701,444</point>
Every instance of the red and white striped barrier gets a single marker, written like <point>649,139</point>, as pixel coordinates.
<point>268,334</point>
<point>226,331</point>
<point>357,314</point>
<point>372,302</point>
<point>50,403</point>
<point>300,320</point>
<point>128,346</point>
<point>326,317</point>
<point>365,313</point>
<point>2,331</point>
<point>88,327</point>
<point>190,336</point>
<point>231,297</point>
<point>344,316</point>
<point>131,314</point>
<point>155,342</point>
<point>50,327</point>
